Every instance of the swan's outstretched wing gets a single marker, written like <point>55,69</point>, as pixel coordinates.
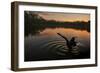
<point>63,36</point>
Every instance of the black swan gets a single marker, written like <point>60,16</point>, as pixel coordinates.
<point>69,43</point>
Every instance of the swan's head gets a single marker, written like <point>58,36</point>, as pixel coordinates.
<point>73,38</point>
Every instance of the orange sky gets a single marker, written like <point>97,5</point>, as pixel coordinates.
<point>64,16</point>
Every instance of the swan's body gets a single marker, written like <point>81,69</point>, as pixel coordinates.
<point>70,44</point>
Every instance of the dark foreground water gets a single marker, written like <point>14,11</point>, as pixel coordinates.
<point>48,45</point>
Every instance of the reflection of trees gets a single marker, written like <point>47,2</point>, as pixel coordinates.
<point>35,23</point>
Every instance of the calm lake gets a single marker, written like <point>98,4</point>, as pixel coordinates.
<point>48,45</point>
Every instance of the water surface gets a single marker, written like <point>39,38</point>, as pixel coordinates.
<point>48,45</point>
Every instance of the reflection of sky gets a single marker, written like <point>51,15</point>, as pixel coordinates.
<point>66,32</point>
<point>64,16</point>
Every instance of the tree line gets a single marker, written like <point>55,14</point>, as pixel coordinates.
<point>35,23</point>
